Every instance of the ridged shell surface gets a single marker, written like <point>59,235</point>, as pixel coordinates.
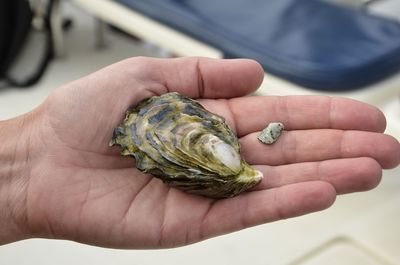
<point>175,139</point>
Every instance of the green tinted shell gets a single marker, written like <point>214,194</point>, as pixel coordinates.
<point>175,139</point>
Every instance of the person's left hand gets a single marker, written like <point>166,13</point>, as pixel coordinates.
<point>76,187</point>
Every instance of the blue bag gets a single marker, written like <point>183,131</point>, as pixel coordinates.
<point>312,43</point>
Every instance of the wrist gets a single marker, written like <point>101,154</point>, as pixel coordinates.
<point>14,178</point>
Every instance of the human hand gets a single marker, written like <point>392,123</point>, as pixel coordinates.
<point>63,181</point>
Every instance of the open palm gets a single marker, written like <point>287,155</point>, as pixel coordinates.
<point>81,189</point>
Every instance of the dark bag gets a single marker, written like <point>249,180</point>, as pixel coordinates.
<point>15,27</point>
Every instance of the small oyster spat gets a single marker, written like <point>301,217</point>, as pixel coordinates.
<point>175,139</point>
<point>271,133</point>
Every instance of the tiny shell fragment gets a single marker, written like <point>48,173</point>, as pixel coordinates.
<point>271,133</point>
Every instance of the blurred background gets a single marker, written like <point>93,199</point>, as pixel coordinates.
<point>359,59</point>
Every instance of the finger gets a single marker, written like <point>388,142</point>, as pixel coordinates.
<point>345,175</point>
<point>265,206</point>
<point>318,145</point>
<point>210,78</point>
<point>128,82</point>
<point>252,114</point>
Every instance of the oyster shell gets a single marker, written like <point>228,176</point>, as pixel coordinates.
<point>271,133</point>
<point>175,139</point>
